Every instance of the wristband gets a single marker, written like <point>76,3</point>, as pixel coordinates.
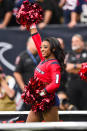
<point>33,26</point>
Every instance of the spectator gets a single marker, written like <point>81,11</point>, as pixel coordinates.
<point>6,7</point>
<point>64,102</point>
<point>17,4</point>
<point>7,92</point>
<point>25,64</point>
<point>52,14</point>
<point>79,14</point>
<point>68,6</point>
<point>77,88</point>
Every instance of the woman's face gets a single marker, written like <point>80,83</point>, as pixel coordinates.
<point>45,49</point>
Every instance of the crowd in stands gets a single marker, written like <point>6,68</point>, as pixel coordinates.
<point>69,12</point>
<point>73,91</point>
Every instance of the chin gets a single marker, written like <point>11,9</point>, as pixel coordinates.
<point>44,56</point>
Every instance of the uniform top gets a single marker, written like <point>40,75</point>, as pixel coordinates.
<point>47,71</point>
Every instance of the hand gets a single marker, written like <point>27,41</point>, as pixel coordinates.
<point>42,25</point>
<point>72,24</point>
<point>69,66</point>
<point>22,28</point>
<point>79,66</point>
<point>2,26</point>
<point>3,82</point>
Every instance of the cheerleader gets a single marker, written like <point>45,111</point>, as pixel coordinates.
<point>49,71</point>
<point>44,102</point>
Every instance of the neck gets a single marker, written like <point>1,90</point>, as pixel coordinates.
<point>50,57</point>
<point>79,50</point>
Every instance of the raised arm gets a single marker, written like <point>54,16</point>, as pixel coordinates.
<point>37,39</point>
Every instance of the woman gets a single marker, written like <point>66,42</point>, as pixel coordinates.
<point>48,71</point>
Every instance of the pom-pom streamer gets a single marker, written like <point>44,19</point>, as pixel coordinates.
<point>31,95</point>
<point>29,13</point>
<point>83,72</point>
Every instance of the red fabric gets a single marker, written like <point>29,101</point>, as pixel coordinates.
<point>29,13</point>
<point>47,71</point>
<point>37,40</point>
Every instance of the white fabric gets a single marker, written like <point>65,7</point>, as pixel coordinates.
<point>11,81</point>
<point>70,4</point>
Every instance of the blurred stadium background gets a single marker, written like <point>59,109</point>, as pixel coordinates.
<point>12,42</point>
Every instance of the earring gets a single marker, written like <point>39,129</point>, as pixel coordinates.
<point>53,50</point>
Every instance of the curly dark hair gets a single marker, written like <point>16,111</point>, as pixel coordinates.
<point>55,47</point>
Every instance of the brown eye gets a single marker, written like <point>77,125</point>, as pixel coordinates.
<point>45,47</point>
